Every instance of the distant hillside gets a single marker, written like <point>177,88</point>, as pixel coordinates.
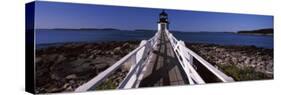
<point>145,30</point>
<point>268,31</point>
<point>107,29</point>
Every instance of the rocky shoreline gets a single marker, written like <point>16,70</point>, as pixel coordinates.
<point>240,62</point>
<point>65,67</point>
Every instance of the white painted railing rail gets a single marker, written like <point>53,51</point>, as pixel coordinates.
<point>185,56</point>
<point>137,59</point>
<point>137,68</point>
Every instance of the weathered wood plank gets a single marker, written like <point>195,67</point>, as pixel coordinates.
<point>164,68</point>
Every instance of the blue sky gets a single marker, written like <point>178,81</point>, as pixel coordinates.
<point>70,15</point>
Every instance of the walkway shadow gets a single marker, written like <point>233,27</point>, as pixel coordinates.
<point>167,63</point>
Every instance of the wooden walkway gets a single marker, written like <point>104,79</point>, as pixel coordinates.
<point>164,68</point>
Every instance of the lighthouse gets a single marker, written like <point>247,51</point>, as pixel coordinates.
<point>163,23</point>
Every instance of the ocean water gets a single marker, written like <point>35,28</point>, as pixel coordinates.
<point>48,36</point>
<point>265,41</point>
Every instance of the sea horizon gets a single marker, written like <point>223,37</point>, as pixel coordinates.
<point>56,36</point>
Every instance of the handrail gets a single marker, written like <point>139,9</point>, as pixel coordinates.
<point>141,55</point>
<point>136,69</point>
<point>136,57</point>
<point>185,56</point>
<point>210,67</point>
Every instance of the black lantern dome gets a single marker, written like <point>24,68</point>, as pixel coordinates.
<point>163,17</point>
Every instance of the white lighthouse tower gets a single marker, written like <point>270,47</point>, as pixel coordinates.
<point>163,23</point>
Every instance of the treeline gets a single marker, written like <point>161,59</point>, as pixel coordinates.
<point>260,31</point>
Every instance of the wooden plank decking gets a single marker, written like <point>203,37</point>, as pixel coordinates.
<point>164,67</point>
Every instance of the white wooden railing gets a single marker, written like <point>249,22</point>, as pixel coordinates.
<point>140,56</point>
<point>186,56</point>
<point>137,59</point>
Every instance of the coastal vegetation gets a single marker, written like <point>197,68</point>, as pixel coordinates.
<point>243,74</point>
<point>240,62</point>
<point>268,31</point>
<point>65,67</point>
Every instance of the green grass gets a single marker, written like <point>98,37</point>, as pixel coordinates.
<point>241,74</point>
<point>108,84</point>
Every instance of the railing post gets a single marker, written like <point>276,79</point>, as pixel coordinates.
<point>134,61</point>
<point>191,61</point>
<point>189,69</point>
<point>135,70</point>
<point>131,62</point>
